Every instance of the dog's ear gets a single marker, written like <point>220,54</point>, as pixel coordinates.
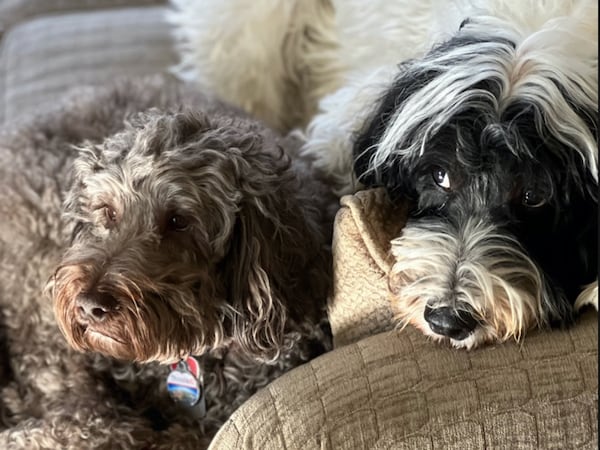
<point>579,268</point>
<point>365,144</point>
<point>571,260</point>
<point>374,166</point>
<point>395,174</point>
<point>586,237</point>
<point>261,247</point>
<point>258,323</point>
<point>577,261</point>
<point>273,247</point>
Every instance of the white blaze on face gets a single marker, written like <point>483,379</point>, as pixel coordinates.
<point>474,264</point>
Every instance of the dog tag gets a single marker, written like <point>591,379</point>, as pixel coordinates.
<point>185,386</point>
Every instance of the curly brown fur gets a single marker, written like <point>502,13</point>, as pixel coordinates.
<point>244,282</point>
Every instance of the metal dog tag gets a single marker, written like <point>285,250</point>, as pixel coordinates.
<point>185,386</point>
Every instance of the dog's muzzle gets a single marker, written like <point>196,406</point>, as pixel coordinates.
<point>455,323</point>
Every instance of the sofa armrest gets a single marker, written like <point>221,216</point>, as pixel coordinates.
<point>399,390</point>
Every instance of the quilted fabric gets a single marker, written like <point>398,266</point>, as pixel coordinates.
<point>399,390</point>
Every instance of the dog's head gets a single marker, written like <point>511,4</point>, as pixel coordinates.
<point>493,136</point>
<point>184,227</point>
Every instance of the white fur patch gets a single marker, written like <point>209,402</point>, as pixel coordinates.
<point>473,265</point>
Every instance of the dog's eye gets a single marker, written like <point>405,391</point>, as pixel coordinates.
<point>533,199</point>
<point>110,214</point>
<point>177,222</point>
<point>441,178</point>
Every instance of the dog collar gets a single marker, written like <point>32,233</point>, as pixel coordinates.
<point>185,385</point>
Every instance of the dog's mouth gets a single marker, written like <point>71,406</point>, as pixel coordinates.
<point>109,344</point>
<point>459,335</point>
<point>97,335</point>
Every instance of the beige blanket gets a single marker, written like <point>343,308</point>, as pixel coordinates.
<point>364,227</point>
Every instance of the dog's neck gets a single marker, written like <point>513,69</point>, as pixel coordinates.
<point>312,334</point>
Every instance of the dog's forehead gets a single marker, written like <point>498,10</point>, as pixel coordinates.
<point>471,157</point>
<point>122,164</point>
<point>148,150</point>
<point>484,75</point>
<point>128,170</point>
<point>123,175</point>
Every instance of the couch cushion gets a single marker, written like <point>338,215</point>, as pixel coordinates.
<point>397,390</point>
<point>15,11</point>
<point>42,58</point>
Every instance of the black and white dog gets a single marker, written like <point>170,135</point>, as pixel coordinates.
<point>493,135</point>
<point>483,113</point>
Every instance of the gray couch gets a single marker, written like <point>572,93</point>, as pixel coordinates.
<point>50,46</point>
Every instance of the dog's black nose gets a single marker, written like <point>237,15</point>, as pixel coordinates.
<point>451,322</point>
<point>95,306</point>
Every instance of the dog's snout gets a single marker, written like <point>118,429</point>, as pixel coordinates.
<point>450,322</point>
<point>95,306</point>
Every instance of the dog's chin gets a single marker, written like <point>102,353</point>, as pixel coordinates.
<point>100,342</point>
<point>107,342</point>
<point>126,341</point>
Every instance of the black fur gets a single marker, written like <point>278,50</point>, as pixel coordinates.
<point>494,161</point>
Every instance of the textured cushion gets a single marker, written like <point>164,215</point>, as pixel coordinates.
<point>42,58</point>
<point>399,390</point>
